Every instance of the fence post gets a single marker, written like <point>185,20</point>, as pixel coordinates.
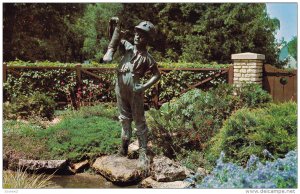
<point>230,74</point>
<point>4,72</point>
<point>78,74</point>
<point>156,96</point>
<point>247,68</point>
<point>78,85</point>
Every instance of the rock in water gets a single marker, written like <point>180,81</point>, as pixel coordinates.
<point>150,183</point>
<point>80,166</point>
<point>120,170</point>
<point>47,166</point>
<point>164,169</point>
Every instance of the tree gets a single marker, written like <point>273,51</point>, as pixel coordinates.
<point>92,28</point>
<point>38,31</point>
<point>292,47</point>
<point>134,13</point>
<point>176,21</point>
<point>192,32</point>
<point>225,29</point>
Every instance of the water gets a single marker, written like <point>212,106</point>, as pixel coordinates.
<point>84,180</point>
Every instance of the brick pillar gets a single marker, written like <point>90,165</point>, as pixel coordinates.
<point>248,68</point>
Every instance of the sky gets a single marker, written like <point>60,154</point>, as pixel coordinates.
<point>287,14</point>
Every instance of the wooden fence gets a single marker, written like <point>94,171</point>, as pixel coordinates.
<point>79,69</point>
<point>281,84</point>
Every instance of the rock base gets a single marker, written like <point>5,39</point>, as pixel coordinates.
<point>45,166</point>
<point>119,170</point>
<point>164,169</point>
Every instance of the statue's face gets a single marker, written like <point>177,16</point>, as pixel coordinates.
<point>140,38</point>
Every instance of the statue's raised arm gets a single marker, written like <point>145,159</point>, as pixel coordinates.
<point>115,34</point>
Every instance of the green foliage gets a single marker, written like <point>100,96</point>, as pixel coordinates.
<point>251,95</point>
<point>212,32</point>
<point>292,47</point>
<point>107,110</point>
<point>39,31</point>
<point>77,137</point>
<point>185,31</point>
<point>54,83</point>
<point>93,25</point>
<point>20,141</point>
<point>247,132</point>
<point>191,65</point>
<point>113,65</point>
<point>60,83</point>
<point>191,159</point>
<point>87,133</point>
<point>36,104</point>
<point>46,63</point>
<point>173,83</point>
<point>190,121</point>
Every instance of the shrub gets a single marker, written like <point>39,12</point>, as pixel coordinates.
<point>87,133</point>
<point>22,180</point>
<point>174,82</point>
<point>190,121</point>
<point>36,104</point>
<point>96,64</point>
<point>282,173</point>
<point>252,96</point>
<point>61,85</point>
<point>248,132</point>
<point>191,159</point>
<point>20,141</point>
<point>78,138</point>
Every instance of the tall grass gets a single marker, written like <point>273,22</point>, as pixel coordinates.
<point>22,180</point>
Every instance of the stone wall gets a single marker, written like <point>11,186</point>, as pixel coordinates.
<point>248,68</point>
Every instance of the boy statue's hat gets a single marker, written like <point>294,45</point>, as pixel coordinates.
<point>147,27</point>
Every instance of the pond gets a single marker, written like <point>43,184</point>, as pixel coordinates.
<point>85,180</point>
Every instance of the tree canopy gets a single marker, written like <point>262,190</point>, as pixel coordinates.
<point>190,32</point>
<point>292,47</point>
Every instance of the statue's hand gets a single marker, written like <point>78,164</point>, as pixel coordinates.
<point>108,55</point>
<point>139,88</point>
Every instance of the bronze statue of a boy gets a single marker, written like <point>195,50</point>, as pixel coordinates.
<point>134,64</point>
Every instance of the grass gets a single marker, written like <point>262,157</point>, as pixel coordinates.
<point>22,180</point>
<point>87,133</point>
<point>107,110</point>
<point>80,138</point>
<point>20,140</point>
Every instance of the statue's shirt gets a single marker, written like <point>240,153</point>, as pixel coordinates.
<point>135,62</point>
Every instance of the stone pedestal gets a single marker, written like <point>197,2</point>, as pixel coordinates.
<point>248,68</point>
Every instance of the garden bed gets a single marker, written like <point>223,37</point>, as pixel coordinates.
<point>192,130</point>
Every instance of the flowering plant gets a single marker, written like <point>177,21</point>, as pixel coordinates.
<point>281,173</point>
